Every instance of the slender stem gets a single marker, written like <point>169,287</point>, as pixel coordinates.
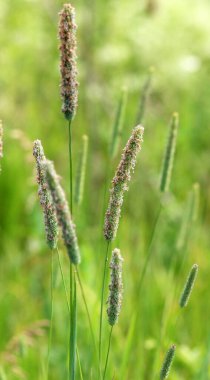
<point>107,356</point>
<point>73,335</point>
<point>149,251</point>
<point>70,169</point>
<point>102,300</point>
<point>51,317</point>
<point>88,314</point>
<point>73,320</point>
<point>68,306</point>
<point>63,280</point>
<point>79,365</point>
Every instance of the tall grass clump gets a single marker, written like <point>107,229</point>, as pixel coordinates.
<point>120,182</point>
<point>167,363</point>
<point>81,169</point>
<point>168,160</point>
<point>188,287</point>
<point>45,198</point>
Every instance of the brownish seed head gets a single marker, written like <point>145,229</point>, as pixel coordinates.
<point>68,69</point>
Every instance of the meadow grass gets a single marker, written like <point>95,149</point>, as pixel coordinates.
<point>53,331</point>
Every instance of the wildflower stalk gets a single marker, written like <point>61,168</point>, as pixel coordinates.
<point>167,363</point>
<point>188,287</point>
<point>168,160</point>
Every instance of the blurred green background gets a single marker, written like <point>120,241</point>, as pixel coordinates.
<point>117,42</point>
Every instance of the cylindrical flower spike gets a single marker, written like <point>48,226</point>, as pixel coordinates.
<point>188,287</point>
<point>45,196</point>
<point>168,160</point>
<point>68,67</point>
<point>1,141</point>
<point>80,177</point>
<point>120,182</point>
<point>63,213</point>
<point>167,363</point>
<point>115,287</point>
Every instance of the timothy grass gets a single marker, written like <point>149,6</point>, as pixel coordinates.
<point>117,42</point>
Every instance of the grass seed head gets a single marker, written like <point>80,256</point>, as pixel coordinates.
<point>167,363</point>
<point>45,198</point>
<point>188,287</point>
<point>115,287</point>
<point>68,66</point>
<point>63,213</point>
<point>120,182</point>
<point>168,160</point>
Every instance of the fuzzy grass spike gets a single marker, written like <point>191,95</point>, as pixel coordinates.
<point>168,160</point>
<point>115,287</point>
<point>68,67</point>
<point>45,198</point>
<point>120,182</point>
<point>188,287</point>
<point>63,213</point>
<point>167,363</point>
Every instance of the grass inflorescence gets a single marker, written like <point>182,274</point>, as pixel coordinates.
<point>120,182</point>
